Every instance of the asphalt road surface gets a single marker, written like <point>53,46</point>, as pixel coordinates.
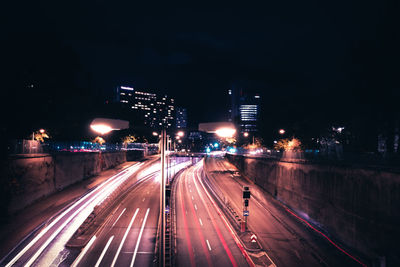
<point>203,236</point>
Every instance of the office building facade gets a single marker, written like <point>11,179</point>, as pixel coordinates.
<point>154,111</point>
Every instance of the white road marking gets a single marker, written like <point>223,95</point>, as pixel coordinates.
<point>123,238</point>
<point>140,237</point>
<point>104,251</point>
<point>118,218</point>
<point>192,198</point>
<point>201,222</point>
<point>190,190</point>
<point>195,206</point>
<point>208,244</point>
<point>77,260</point>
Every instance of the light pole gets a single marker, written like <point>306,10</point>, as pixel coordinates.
<point>162,199</point>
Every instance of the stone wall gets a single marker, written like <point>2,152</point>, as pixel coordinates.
<point>359,206</point>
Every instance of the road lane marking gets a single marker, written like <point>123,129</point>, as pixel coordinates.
<point>140,237</point>
<point>195,206</point>
<point>104,251</point>
<point>123,238</point>
<point>118,218</point>
<point>192,198</point>
<point>201,222</point>
<point>190,190</point>
<point>77,260</point>
<point>208,244</point>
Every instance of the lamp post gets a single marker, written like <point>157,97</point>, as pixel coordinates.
<point>162,199</point>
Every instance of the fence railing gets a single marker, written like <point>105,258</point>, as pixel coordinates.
<point>35,147</point>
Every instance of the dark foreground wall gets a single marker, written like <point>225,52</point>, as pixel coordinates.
<point>359,206</point>
<point>29,178</point>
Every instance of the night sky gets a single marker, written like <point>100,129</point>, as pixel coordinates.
<point>316,61</point>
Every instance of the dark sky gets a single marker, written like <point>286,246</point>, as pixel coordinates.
<point>329,59</point>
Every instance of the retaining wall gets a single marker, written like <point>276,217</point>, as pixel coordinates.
<point>30,178</point>
<point>359,206</point>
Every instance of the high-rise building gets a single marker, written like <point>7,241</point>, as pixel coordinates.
<point>155,111</point>
<point>244,109</point>
<point>181,118</point>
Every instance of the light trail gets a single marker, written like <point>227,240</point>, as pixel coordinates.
<point>87,247</point>
<point>112,180</point>
<point>89,205</point>
<point>199,231</point>
<point>235,238</point>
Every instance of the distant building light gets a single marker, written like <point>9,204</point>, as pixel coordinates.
<point>127,88</point>
<point>256,96</point>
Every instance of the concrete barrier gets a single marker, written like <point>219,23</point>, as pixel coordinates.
<point>31,177</point>
<point>359,206</point>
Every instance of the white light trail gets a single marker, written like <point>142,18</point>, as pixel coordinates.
<point>126,172</point>
<point>77,260</point>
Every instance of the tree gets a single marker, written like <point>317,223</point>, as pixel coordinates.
<point>287,144</point>
<point>129,139</point>
<point>99,140</point>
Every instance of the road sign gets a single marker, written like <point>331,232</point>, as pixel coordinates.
<point>245,213</point>
<point>253,238</point>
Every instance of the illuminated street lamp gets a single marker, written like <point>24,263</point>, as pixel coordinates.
<point>180,133</point>
<point>101,128</point>
<point>282,131</point>
<point>246,134</point>
<point>225,132</point>
<point>155,134</point>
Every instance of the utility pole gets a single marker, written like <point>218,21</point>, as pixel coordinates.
<point>162,200</point>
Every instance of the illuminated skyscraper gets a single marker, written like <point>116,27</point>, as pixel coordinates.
<point>181,118</point>
<point>155,111</point>
<point>244,109</point>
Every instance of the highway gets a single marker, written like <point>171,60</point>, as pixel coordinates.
<point>127,236</point>
<point>203,236</point>
<point>287,241</point>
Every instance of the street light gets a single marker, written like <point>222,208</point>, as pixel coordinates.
<point>282,131</point>
<point>245,134</point>
<point>155,134</point>
<point>101,128</point>
<point>180,133</point>
<point>225,132</point>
